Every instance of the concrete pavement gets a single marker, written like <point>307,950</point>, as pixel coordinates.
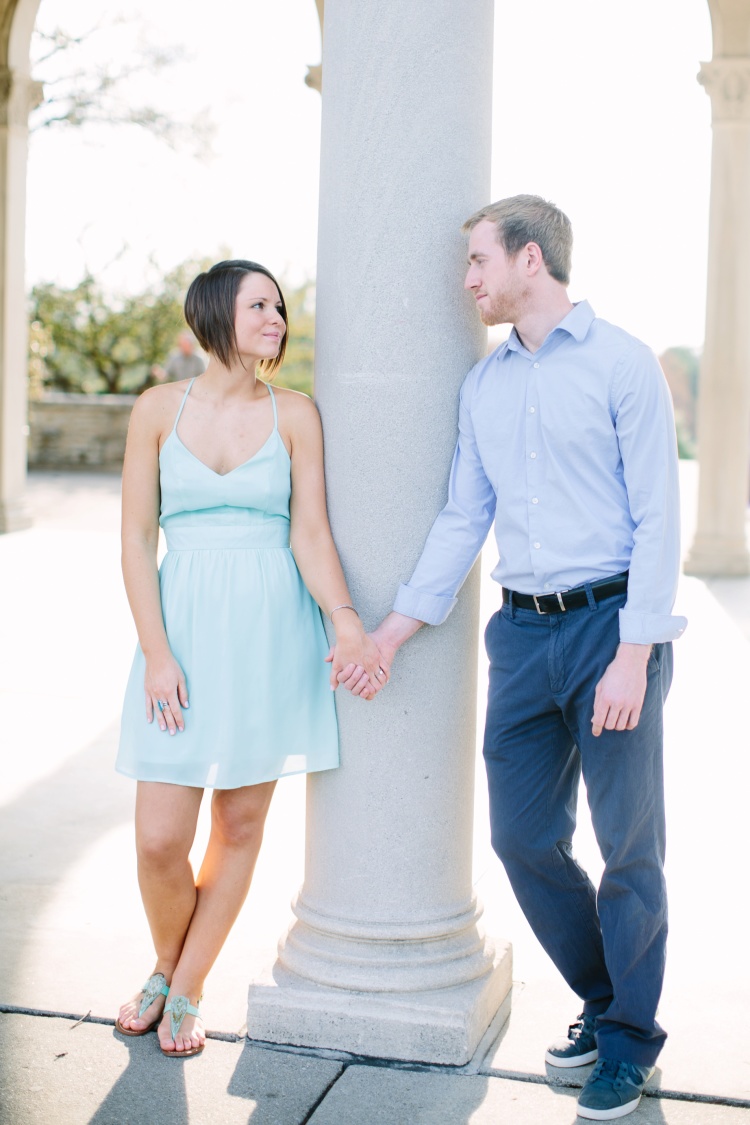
<point>74,939</point>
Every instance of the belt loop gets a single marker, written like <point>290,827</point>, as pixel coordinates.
<point>511,603</point>
<point>590,596</point>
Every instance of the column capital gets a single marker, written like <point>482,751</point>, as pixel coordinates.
<point>19,94</point>
<point>727,82</point>
<point>314,76</point>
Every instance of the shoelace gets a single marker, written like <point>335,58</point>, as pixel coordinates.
<point>582,1026</point>
<point>611,1072</point>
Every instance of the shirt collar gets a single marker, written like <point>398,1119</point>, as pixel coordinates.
<point>576,323</point>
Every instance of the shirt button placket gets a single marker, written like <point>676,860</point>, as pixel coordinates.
<point>532,464</point>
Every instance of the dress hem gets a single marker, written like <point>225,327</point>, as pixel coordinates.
<point>241,785</point>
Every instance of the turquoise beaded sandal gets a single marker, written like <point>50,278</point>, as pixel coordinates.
<point>179,1007</point>
<point>156,985</point>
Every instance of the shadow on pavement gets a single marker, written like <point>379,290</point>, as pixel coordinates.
<point>143,1092</point>
<point>51,826</point>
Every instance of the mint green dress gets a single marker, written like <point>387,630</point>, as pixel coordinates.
<point>241,625</point>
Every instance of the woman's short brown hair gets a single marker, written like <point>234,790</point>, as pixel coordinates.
<point>210,311</point>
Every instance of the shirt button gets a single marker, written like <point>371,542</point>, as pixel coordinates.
<point>534,499</point>
<point>537,546</point>
<point>532,456</point>
<point>536,365</point>
<point>546,585</point>
<point>532,410</point>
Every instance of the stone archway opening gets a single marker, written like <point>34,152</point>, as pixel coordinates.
<point>18,95</point>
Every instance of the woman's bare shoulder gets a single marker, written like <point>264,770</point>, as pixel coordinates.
<point>158,406</point>
<point>295,404</point>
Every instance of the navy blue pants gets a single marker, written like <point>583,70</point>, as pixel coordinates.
<point>609,945</point>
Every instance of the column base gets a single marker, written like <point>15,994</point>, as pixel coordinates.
<point>714,557</point>
<point>442,1025</point>
<point>15,515</point>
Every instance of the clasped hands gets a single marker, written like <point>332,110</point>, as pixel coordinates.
<point>368,671</point>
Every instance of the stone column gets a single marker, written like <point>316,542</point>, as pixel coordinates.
<point>720,545</point>
<point>386,957</point>
<point>18,95</point>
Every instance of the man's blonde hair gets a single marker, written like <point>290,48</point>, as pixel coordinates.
<point>521,219</point>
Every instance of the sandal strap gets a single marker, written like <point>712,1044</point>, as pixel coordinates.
<point>156,985</point>
<point>179,1007</point>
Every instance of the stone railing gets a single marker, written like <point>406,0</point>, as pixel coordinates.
<point>69,431</point>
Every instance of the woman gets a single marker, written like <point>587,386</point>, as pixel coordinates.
<point>232,647</point>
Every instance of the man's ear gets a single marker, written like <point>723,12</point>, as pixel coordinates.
<point>533,258</point>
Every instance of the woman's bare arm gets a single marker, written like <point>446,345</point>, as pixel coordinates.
<point>140,537</point>
<point>314,549</point>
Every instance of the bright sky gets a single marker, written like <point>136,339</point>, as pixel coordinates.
<point>596,106</point>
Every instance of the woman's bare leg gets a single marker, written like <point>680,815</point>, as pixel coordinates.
<point>238,817</point>
<point>165,820</point>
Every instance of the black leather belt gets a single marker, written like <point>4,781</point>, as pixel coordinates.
<point>568,599</point>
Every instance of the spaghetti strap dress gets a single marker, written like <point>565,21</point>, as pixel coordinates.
<point>241,625</point>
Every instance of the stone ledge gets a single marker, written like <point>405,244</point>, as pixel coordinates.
<point>71,431</point>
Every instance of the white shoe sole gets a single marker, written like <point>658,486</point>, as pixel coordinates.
<point>578,1060</point>
<point>610,1114</point>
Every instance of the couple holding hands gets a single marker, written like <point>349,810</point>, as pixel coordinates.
<point>566,441</point>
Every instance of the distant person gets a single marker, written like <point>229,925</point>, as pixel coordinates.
<point>233,473</point>
<point>182,363</point>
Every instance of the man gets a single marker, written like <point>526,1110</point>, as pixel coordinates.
<point>566,440</point>
<point>182,363</point>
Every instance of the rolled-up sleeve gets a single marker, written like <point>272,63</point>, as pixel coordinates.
<point>458,533</point>
<point>644,421</point>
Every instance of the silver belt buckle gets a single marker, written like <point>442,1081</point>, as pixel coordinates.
<point>537,607</point>
<point>545,612</point>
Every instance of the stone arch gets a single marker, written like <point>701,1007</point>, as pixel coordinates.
<point>720,545</point>
<point>730,22</point>
<point>18,94</point>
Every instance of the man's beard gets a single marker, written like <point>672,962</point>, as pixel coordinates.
<point>504,308</point>
<point>500,311</point>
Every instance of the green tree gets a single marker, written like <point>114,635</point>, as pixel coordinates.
<point>297,370</point>
<point>86,340</point>
<point>681,367</point>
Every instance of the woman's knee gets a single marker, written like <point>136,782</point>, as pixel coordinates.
<point>239,818</point>
<point>158,847</point>
<point>165,822</point>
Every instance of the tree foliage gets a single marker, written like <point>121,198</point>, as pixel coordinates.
<point>681,367</point>
<point>87,340</point>
<point>297,371</point>
<point>93,342</point>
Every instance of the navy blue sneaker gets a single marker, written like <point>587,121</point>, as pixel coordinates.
<point>613,1089</point>
<point>576,1048</point>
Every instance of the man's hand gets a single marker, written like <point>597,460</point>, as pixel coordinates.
<point>390,634</point>
<point>621,690</point>
<point>365,676</point>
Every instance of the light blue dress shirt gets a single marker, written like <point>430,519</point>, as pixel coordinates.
<point>572,451</point>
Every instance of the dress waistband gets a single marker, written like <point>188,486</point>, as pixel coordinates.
<point>218,537</point>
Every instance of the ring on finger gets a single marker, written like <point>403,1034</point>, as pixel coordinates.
<point>162,704</point>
